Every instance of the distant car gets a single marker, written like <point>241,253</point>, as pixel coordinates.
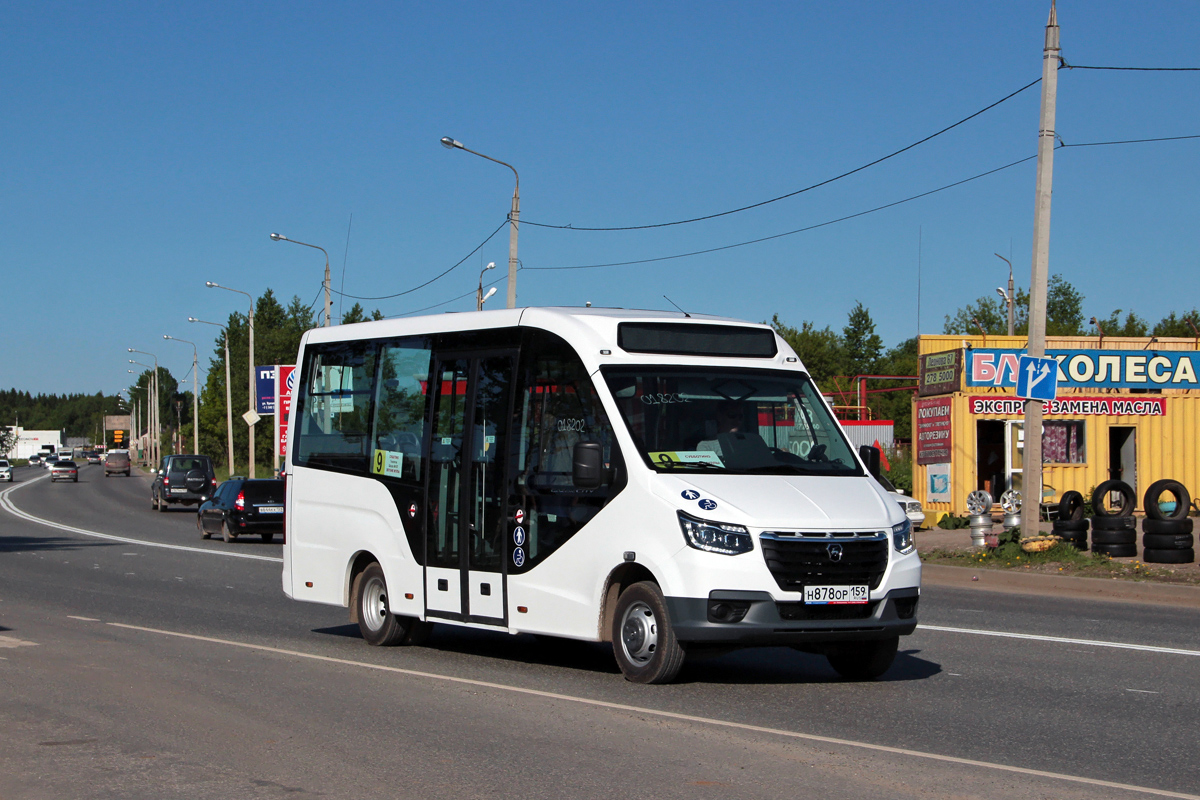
<point>93,458</point>
<point>64,471</point>
<point>35,460</point>
<point>182,480</point>
<point>116,462</point>
<point>49,460</point>
<point>912,508</point>
<point>6,471</point>
<point>243,506</point>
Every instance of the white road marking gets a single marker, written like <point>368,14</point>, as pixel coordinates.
<point>7,504</point>
<point>1142,691</point>
<point>587,701</point>
<point>82,619</point>
<point>12,641</point>
<point>1061,640</point>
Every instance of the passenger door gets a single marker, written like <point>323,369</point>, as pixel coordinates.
<point>467,524</point>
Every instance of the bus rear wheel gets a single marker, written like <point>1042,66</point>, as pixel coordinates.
<point>378,625</point>
<point>644,642</point>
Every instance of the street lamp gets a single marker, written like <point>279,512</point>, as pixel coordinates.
<point>484,299</point>
<point>195,393</point>
<point>228,392</point>
<point>155,445</point>
<point>513,217</point>
<point>251,414</point>
<point>479,298</point>
<point>1008,297</point>
<point>279,237</point>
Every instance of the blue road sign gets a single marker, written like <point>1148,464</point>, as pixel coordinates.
<point>1037,378</point>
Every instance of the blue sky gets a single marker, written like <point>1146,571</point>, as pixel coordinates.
<point>149,147</point>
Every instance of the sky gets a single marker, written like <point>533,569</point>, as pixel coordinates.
<point>146,148</point>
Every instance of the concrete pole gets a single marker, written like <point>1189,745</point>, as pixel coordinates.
<point>1032,463</point>
<point>250,387</point>
<point>228,405</point>
<point>514,218</point>
<point>195,402</point>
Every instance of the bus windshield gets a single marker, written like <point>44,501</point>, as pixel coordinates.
<point>732,421</point>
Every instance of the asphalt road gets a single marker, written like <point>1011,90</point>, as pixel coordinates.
<point>141,662</point>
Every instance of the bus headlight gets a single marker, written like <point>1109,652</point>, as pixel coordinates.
<point>902,537</point>
<point>715,537</point>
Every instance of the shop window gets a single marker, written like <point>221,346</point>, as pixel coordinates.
<point>335,407</point>
<point>1063,442</point>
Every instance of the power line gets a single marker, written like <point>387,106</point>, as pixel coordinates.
<point>798,230</point>
<point>431,280</point>
<point>798,191</point>
<point>1129,141</point>
<point>1062,64</point>
<point>453,299</point>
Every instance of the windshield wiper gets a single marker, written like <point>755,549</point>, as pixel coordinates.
<point>684,464</point>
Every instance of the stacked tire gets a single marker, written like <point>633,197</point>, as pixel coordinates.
<point>1071,526</point>
<point>1167,535</point>
<point>1114,530</point>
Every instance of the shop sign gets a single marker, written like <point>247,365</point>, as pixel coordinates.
<point>1072,406</point>
<point>939,373</point>
<point>933,430</point>
<point>1092,369</point>
<point>938,490</point>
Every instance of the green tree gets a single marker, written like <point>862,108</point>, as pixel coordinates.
<point>863,347</point>
<point>1064,308</point>
<point>1132,326</point>
<point>1171,325</point>
<point>358,314</point>
<point>1064,313</point>
<point>821,349</point>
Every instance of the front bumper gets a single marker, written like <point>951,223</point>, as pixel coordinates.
<point>771,623</point>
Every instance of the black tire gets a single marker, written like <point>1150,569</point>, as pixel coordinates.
<point>1114,523</point>
<point>863,661</point>
<point>1128,500</point>
<point>1070,507</point>
<point>268,537</point>
<point>153,501</point>
<point>1185,556</point>
<point>643,639</point>
<point>1114,537</point>
<point>1150,501</point>
<point>227,533</point>
<point>1167,541</point>
<point>378,625</point>
<point>1171,526</point>
<point>200,527</point>
<point>1070,525</point>
<point>162,504</point>
<point>1115,550</point>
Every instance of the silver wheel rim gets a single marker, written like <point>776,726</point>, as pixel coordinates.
<point>639,633</point>
<point>374,605</point>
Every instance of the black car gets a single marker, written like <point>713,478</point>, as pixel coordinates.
<point>182,480</point>
<point>243,506</point>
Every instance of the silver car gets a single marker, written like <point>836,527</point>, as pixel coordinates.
<point>912,508</point>
<point>6,471</point>
<point>64,471</point>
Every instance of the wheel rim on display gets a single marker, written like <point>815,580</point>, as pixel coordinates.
<point>374,610</point>
<point>639,633</point>
<point>979,502</point>
<point>1010,501</point>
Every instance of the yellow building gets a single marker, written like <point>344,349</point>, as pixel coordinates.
<point>1125,408</point>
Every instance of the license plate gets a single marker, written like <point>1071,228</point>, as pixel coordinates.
<point>835,595</point>
<point>178,490</point>
<point>270,509</point>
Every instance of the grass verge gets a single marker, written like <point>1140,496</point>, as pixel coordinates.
<point>1062,559</point>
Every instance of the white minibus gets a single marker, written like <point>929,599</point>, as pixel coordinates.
<point>664,482</point>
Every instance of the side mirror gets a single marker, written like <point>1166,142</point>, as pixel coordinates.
<point>587,465</point>
<point>870,457</point>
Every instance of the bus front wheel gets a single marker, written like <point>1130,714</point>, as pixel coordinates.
<point>378,625</point>
<point>644,642</point>
<point>863,661</point>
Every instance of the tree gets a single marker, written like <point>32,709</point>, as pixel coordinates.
<point>8,441</point>
<point>820,350</point>
<point>863,347</point>
<point>1064,308</point>
<point>358,314</point>
<point>1064,313</point>
<point>1172,325</point>
<point>1132,326</point>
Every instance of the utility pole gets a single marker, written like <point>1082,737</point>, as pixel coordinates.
<point>1032,463</point>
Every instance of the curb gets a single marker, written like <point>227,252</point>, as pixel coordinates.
<point>1012,582</point>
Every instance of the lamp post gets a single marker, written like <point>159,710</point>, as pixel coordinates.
<point>479,292</point>
<point>151,409</point>
<point>1008,296</point>
<point>251,413</point>
<point>155,445</point>
<point>279,237</point>
<point>513,217</point>
<point>135,428</point>
<point>195,393</point>
<point>228,392</point>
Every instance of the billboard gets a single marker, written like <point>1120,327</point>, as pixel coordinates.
<point>1092,369</point>
<point>264,389</point>
<point>285,383</point>
<point>931,420</point>
<point>939,373</point>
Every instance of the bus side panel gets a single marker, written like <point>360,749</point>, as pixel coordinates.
<point>331,519</point>
<point>563,595</point>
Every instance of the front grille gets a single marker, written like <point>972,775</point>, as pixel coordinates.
<point>799,561</point>
<point>801,611</point>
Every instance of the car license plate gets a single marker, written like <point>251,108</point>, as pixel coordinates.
<point>835,595</point>
<point>270,509</point>
<point>178,489</point>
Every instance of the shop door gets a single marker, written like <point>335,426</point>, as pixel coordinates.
<point>1122,456</point>
<point>466,531</point>
<point>1014,455</point>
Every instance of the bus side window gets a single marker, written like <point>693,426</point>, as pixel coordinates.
<point>557,408</point>
<point>335,407</point>
<point>400,409</point>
